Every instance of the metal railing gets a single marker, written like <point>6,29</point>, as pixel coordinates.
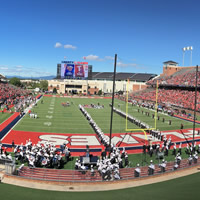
<point>6,161</point>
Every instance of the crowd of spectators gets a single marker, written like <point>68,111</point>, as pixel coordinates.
<point>179,98</point>
<point>13,96</point>
<point>185,77</point>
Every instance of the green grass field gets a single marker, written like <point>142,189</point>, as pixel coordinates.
<point>181,188</point>
<point>71,120</point>
<point>4,116</point>
<point>54,118</point>
<point>62,119</point>
<point>162,126</point>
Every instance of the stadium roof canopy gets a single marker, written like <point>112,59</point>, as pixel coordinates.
<point>170,62</point>
<point>138,77</point>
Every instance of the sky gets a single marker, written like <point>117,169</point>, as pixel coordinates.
<point>35,35</point>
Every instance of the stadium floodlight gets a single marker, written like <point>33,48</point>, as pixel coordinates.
<point>184,49</point>
<point>189,48</point>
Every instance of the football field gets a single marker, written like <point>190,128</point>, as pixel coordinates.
<point>53,117</point>
<point>4,116</point>
<point>160,124</point>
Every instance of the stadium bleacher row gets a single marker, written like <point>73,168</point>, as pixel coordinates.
<point>9,94</point>
<point>179,98</point>
<point>184,77</point>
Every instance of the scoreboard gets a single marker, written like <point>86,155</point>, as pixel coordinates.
<point>74,69</point>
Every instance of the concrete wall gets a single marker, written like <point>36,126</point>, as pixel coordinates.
<point>169,70</point>
<point>93,86</point>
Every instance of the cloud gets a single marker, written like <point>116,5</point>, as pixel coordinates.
<point>69,46</point>
<point>121,64</point>
<point>3,68</point>
<point>19,66</point>
<point>58,45</point>
<point>109,58</point>
<point>92,58</point>
<point>23,71</point>
<point>66,46</point>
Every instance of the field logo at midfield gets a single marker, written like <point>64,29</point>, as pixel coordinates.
<point>75,140</point>
<point>81,140</point>
<point>127,140</point>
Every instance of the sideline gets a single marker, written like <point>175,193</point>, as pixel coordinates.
<point>25,113</point>
<point>98,186</point>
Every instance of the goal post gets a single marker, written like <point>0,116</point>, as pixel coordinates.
<point>127,105</point>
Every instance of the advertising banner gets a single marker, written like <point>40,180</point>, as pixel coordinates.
<point>79,71</point>
<point>62,71</point>
<point>69,70</point>
<point>85,67</point>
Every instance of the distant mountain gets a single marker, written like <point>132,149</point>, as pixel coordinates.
<point>40,78</point>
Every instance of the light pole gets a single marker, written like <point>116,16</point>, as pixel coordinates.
<point>184,49</point>
<point>189,48</point>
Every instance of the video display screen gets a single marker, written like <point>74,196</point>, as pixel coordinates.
<point>71,69</point>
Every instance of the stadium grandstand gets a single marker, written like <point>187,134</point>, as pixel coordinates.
<point>136,77</point>
<point>70,131</point>
<point>176,87</point>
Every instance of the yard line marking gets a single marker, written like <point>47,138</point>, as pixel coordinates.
<point>49,116</point>
<point>47,123</point>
